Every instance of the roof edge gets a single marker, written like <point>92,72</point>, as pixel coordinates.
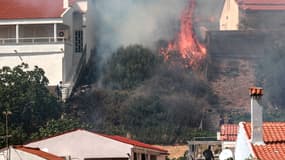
<point>250,145</point>
<point>102,135</point>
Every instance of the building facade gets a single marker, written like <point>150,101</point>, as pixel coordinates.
<point>48,34</point>
<point>257,139</point>
<point>252,14</point>
<point>26,153</point>
<point>81,144</point>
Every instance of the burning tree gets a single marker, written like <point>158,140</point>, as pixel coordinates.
<point>186,43</point>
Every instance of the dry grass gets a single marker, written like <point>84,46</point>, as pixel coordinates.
<point>175,151</point>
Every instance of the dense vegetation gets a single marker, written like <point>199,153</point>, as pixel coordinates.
<point>138,93</point>
<point>23,94</point>
<point>142,95</point>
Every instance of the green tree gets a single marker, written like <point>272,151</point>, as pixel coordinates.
<point>53,127</point>
<point>129,66</point>
<point>154,101</point>
<point>23,91</point>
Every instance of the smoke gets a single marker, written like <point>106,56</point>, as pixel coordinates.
<point>125,22</point>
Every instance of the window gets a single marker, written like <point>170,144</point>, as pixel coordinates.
<point>152,157</point>
<point>143,157</point>
<point>78,41</point>
<point>135,156</point>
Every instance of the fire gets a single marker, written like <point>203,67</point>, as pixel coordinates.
<point>186,43</point>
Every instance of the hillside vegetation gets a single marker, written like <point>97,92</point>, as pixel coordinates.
<point>136,93</point>
<point>142,95</point>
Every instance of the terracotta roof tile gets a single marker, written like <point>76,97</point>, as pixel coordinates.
<point>274,139</point>
<point>134,142</point>
<point>30,9</point>
<point>229,132</point>
<point>270,151</point>
<point>262,4</point>
<point>272,131</point>
<point>38,152</point>
<point>114,137</point>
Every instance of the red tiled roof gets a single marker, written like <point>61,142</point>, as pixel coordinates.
<point>229,132</point>
<point>39,153</point>
<point>273,132</point>
<point>117,138</point>
<point>270,151</point>
<point>274,139</point>
<point>262,4</point>
<point>30,9</point>
<point>134,142</point>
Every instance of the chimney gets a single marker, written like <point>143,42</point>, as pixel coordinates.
<point>65,4</point>
<point>256,115</point>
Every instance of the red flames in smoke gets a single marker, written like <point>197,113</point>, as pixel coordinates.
<point>186,43</point>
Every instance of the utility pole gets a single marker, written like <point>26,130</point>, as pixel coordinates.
<point>7,113</point>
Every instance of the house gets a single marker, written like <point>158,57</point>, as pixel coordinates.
<point>252,14</point>
<point>81,144</point>
<point>26,153</point>
<point>257,139</point>
<point>228,136</point>
<point>50,34</point>
<point>273,139</point>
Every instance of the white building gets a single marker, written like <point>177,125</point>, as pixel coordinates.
<point>252,14</point>
<point>81,144</point>
<point>50,34</point>
<point>26,153</point>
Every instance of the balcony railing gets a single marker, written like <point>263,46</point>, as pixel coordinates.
<point>31,40</point>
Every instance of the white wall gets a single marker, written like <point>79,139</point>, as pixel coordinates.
<point>90,28</point>
<point>73,19</point>
<point>31,48</point>
<point>51,64</point>
<point>229,19</point>
<point>16,154</point>
<point>228,144</point>
<point>82,144</point>
<point>242,150</point>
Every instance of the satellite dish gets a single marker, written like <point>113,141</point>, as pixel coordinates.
<point>226,154</point>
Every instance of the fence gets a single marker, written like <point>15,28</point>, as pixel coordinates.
<point>31,40</point>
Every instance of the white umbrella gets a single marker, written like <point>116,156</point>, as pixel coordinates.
<point>225,154</point>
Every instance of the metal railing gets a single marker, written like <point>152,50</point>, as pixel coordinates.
<point>31,40</point>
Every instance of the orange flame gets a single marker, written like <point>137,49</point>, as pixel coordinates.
<point>186,43</point>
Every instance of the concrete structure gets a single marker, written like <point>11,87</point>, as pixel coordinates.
<point>49,34</point>
<point>260,140</point>
<point>252,14</point>
<point>26,153</point>
<point>198,144</point>
<point>229,19</point>
<point>82,144</point>
<point>273,138</point>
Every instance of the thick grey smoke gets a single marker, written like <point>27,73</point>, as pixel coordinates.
<point>125,22</point>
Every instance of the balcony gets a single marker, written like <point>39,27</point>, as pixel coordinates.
<point>31,40</point>
<point>32,45</point>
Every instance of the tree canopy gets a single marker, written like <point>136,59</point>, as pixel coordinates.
<point>142,95</point>
<point>24,93</point>
<point>129,66</point>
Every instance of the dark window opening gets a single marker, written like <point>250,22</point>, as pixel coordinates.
<point>143,157</point>
<point>152,157</point>
<point>78,41</point>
